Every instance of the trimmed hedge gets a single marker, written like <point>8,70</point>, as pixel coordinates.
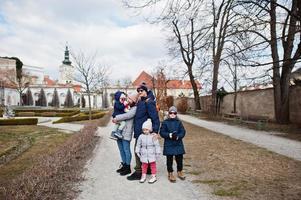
<point>46,110</point>
<point>68,114</point>
<point>47,114</point>
<point>25,114</point>
<point>80,118</point>
<point>25,121</point>
<point>92,111</point>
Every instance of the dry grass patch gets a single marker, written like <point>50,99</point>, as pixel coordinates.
<point>44,140</point>
<point>246,171</point>
<point>51,175</point>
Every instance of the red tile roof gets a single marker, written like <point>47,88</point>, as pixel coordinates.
<point>77,88</point>
<point>171,84</point>
<point>143,77</point>
<point>48,81</point>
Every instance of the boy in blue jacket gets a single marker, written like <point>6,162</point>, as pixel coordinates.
<point>120,107</point>
<point>173,131</point>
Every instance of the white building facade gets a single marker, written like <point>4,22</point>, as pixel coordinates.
<point>38,80</point>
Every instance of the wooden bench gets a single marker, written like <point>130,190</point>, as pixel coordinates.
<point>232,116</point>
<point>260,121</point>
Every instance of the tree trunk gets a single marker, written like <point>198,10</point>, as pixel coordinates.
<point>195,89</point>
<point>89,99</point>
<point>21,100</point>
<point>280,82</point>
<point>214,86</point>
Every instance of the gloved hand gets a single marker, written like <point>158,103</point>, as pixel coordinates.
<point>174,137</point>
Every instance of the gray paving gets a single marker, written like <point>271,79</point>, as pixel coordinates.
<point>268,140</point>
<point>104,183</point>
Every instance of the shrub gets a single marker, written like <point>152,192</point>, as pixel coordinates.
<point>42,99</point>
<point>25,114</point>
<point>68,114</point>
<point>29,99</point>
<point>51,175</point>
<point>92,111</point>
<point>79,118</point>
<point>25,121</point>
<point>47,110</point>
<point>55,99</point>
<point>182,105</point>
<point>169,101</point>
<point>48,114</point>
<point>68,100</point>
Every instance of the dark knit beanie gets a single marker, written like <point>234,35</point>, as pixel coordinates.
<point>142,86</point>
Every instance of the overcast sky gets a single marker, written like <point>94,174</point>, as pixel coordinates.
<point>37,31</point>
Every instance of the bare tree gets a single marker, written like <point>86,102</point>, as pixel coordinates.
<point>283,20</point>
<point>160,80</point>
<point>89,74</point>
<point>181,17</point>
<point>127,83</point>
<point>188,53</point>
<point>20,81</point>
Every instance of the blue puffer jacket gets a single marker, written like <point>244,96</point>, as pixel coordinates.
<point>118,106</point>
<point>146,108</point>
<point>173,147</point>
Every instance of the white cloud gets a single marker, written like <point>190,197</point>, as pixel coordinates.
<point>36,32</point>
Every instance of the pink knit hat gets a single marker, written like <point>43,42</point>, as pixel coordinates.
<point>133,97</point>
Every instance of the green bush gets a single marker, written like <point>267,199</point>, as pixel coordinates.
<point>25,114</point>
<point>46,110</point>
<point>25,121</point>
<point>79,118</point>
<point>92,111</point>
<point>48,114</point>
<point>68,114</point>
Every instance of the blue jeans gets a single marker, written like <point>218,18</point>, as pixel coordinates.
<point>124,147</point>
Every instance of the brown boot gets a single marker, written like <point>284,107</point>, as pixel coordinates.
<point>171,177</point>
<point>181,175</point>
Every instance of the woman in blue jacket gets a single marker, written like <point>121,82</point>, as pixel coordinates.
<point>173,131</point>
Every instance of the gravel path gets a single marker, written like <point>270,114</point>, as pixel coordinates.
<point>283,146</point>
<point>104,183</point>
<point>63,126</point>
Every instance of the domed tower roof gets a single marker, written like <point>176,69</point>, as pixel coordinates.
<point>66,61</point>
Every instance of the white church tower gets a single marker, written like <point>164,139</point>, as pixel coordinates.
<point>66,69</point>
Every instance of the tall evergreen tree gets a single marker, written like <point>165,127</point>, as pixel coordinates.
<point>69,101</point>
<point>55,99</point>
<point>29,99</point>
<point>83,101</point>
<point>42,99</point>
